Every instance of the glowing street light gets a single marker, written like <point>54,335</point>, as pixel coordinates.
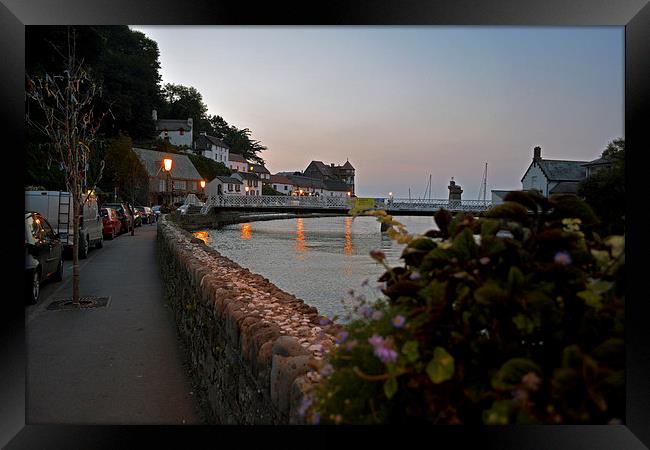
<point>202,183</point>
<point>247,189</point>
<point>390,194</point>
<point>300,191</point>
<point>349,193</point>
<point>168,164</point>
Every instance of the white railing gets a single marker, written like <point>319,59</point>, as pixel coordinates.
<point>193,200</point>
<point>293,202</point>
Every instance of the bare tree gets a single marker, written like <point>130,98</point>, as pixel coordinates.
<point>69,122</point>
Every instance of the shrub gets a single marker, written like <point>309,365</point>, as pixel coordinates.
<point>514,317</point>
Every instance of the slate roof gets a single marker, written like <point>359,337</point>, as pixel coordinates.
<point>202,140</point>
<point>336,185</point>
<point>182,167</point>
<point>347,165</point>
<point>597,162</point>
<point>258,168</point>
<point>560,170</point>
<point>322,168</point>
<point>172,125</point>
<point>565,187</point>
<point>229,180</point>
<point>280,179</point>
<point>306,182</point>
<point>246,175</point>
<point>236,157</point>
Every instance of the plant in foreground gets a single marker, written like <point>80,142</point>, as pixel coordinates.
<point>514,317</point>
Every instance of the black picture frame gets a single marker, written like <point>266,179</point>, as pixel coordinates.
<point>634,15</point>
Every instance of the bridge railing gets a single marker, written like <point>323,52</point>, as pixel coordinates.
<point>316,202</point>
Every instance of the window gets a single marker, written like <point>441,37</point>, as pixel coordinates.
<point>181,185</point>
<point>255,183</point>
<point>182,131</point>
<point>193,185</point>
<point>161,186</point>
<point>275,186</point>
<point>230,186</point>
<point>285,187</point>
<point>237,188</point>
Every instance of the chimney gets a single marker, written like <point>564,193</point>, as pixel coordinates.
<point>537,153</point>
<point>332,164</point>
<point>154,115</point>
<point>454,191</point>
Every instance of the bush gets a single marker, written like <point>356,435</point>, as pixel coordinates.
<point>514,317</point>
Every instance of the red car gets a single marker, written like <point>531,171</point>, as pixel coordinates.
<point>112,223</point>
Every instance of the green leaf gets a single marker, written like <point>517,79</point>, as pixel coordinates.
<point>526,324</point>
<point>490,293</point>
<point>410,350</point>
<point>515,279</point>
<point>489,227</point>
<point>441,367</point>
<point>499,413</point>
<point>390,387</point>
<point>434,293</point>
<point>464,244</point>
<point>512,371</point>
<point>591,299</point>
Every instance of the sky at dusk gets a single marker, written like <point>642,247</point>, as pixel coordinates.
<point>404,102</point>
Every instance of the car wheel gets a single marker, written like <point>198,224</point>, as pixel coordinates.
<point>58,275</point>
<point>100,243</point>
<point>83,248</point>
<point>33,288</point>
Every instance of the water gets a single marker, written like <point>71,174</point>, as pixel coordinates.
<point>316,259</point>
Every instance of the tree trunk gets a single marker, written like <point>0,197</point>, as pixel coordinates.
<point>75,247</point>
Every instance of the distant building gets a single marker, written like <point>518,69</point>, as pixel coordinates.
<point>596,165</point>
<point>260,171</point>
<point>498,195</point>
<point>237,163</point>
<point>179,132</point>
<point>184,176</point>
<point>344,173</point>
<point>213,148</point>
<point>224,185</point>
<point>281,184</point>
<point>252,184</point>
<point>552,176</point>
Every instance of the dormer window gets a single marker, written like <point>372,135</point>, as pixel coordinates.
<point>182,131</point>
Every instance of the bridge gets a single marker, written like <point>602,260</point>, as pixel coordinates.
<point>335,205</point>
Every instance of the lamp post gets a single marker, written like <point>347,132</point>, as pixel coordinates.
<point>202,184</point>
<point>247,189</point>
<point>167,167</point>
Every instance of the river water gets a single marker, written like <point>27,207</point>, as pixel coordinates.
<point>316,259</point>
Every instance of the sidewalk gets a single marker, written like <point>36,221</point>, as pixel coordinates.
<point>119,364</point>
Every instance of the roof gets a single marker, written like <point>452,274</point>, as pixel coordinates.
<point>347,165</point>
<point>259,168</point>
<point>229,180</point>
<point>172,125</point>
<point>598,162</point>
<point>236,157</point>
<point>560,170</point>
<point>322,168</point>
<point>246,175</point>
<point>565,187</point>
<point>336,185</point>
<point>182,167</point>
<point>199,141</point>
<point>280,179</point>
<point>306,182</point>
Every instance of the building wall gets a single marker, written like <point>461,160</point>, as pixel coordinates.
<point>535,179</point>
<point>175,137</point>
<point>212,188</point>
<point>283,188</point>
<point>237,166</point>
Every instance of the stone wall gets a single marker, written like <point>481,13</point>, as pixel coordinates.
<point>254,349</point>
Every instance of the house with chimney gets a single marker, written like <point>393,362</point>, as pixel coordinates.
<point>553,176</point>
<point>212,147</point>
<point>281,183</point>
<point>237,163</point>
<point>177,131</point>
<point>343,173</point>
<point>225,185</point>
<point>252,184</point>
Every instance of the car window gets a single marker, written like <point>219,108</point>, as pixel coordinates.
<point>103,212</point>
<point>47,229</point>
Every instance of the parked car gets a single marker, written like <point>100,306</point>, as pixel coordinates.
<point>56,207</point>
<point>146,213</point>
<point>123,214</point>
<point>43,255</point>
<point>111,221</point>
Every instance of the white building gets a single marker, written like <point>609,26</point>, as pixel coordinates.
<point>281,184</point>
<point>179,132</point>
<point>551,176</point>
<point>223,185</point>
<point>213,148</point>
<point>237,163</point>
<point>252,184</point>
<point>260,171</point>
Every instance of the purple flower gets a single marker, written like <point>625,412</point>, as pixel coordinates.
<point>399,321</point>
<point>350,345</point>
<point>326,370</point>
<point>324,321</point>
<point>341,336</point>
<point>366,311</point>
<point>415,276</point>
<point>383,351</point>
<point>315,418</point>
<point>563,258</point>
<point>377,315</point>
<point>306,402</point>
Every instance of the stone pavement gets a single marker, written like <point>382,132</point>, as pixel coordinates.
<point>119,364</point>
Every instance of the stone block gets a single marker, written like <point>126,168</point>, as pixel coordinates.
<point>288,346</point>
<point>284,370</point>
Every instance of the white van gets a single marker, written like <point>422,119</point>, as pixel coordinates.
<point>56,206</point>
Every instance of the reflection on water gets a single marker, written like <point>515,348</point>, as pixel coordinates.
<point>246,231</point>
<point>203,235</point>
<point>316,259</point>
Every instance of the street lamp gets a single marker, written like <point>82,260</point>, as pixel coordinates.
<point>247,189</point>
<point>167,167</point>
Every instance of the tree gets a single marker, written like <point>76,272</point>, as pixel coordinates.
<point>182,102</point>
<point>125,174</point>
<point>604,191</point>
<point>68,120</point>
